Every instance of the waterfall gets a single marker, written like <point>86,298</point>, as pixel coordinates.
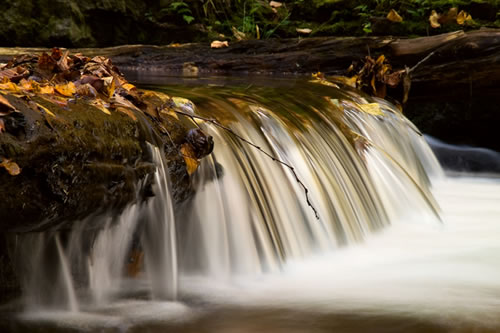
<point>90,267</point>
<point>250,215</point>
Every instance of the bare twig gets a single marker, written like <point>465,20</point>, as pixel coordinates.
<point>291,168</point>
<point>421,61</point>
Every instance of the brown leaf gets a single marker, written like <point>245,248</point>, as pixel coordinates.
<point>192,162</point>
<point>216,44</point>
<point>12,168</point>
<point>393,16</point>
<point>56,53</point>
<point>2,126</point>
<point>46,62</point>
<point>63,62</point>
<point>86,90</point>
<point>434,19</point>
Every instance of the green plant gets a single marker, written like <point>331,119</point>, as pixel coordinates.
<point>182,8</point>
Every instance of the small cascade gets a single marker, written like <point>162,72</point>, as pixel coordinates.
<point>363,172</point>
<point>85,267</point>
<point>359,171</point>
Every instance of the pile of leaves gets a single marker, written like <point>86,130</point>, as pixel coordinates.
<point>60,79</point>
<point>372,76</point>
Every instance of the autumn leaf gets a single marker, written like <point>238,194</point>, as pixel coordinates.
<point>111,88</point>
<point>47,90</point>
<point>86,90</point>
<point>304,31</point>
<point>393,16</point>
<point>67,89</point>
<point>44,109</point>
<point>371,108</point>
<point>12,168</point>
<point>238,34</point>
<point>216,44</point>
<point>128,86</point>
<point>434,19</point>
<point>9,86</point>
<point>463,17</point>
<point>189,155</point>
<point>99,104</point>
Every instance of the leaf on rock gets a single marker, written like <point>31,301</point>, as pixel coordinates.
<point>111,88</point>
<point>192,162</point>
<point>99,104</point>
<point>44,109</point>
<point>47,90</point>
<point>217,44</point>
<point>128,86</point>
<point>10,86</point>
<point>12,168</point>
<point>434,19</point>
<point>86,90</point>
<point>393,16</point>
<point>371,108</point>
<point>67,90</point>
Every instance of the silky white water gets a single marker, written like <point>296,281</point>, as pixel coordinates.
<point>396,243</point>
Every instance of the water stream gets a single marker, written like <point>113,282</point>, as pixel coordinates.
<point>398,246</point>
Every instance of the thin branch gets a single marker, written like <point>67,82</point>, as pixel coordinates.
<point>421,61</point>
<point>291,168</point>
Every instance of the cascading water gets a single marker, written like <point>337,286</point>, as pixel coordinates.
<point>384,251</point>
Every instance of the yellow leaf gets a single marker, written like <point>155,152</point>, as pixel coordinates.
<point>47,90</point>
<point>98,103</point>
<point>67,90</point>
<point>10,86</point>
<point>371,108</point>
<point>393,16</point>
<point>111,88</point>
<point>12,168</point>
<point>305,31</point>
<point>257,31</point>
<point>45,110</point>
<point>128,86</point>
<point>433,19</point>
<point>192,162</point>
<point>463,17</point>
<point>380,59</point>
<point>217,44</point>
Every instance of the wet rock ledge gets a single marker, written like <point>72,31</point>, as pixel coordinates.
<point>76,140</point>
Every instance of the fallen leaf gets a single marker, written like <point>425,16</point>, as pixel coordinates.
<point>238,34</point>
<point>371,108</point>
<point>44,109</point>
<point>86,90</point>
<point>305,31</point>
<point>275,4</point>
<point>12,168</point>
<point>449,17</point>
<point>9,86</point>
<point>67,89</point>
<point>128,86</point>
<point>47,90</point>
<point>111,88</point>
<point>99,104</point>
<point>46,62</point>
<point>393,16</point>
<point>434,19</point>
<point>192,162</point>
<point>463,17</point>
<point>216,44</point>
<point>62,63</point>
